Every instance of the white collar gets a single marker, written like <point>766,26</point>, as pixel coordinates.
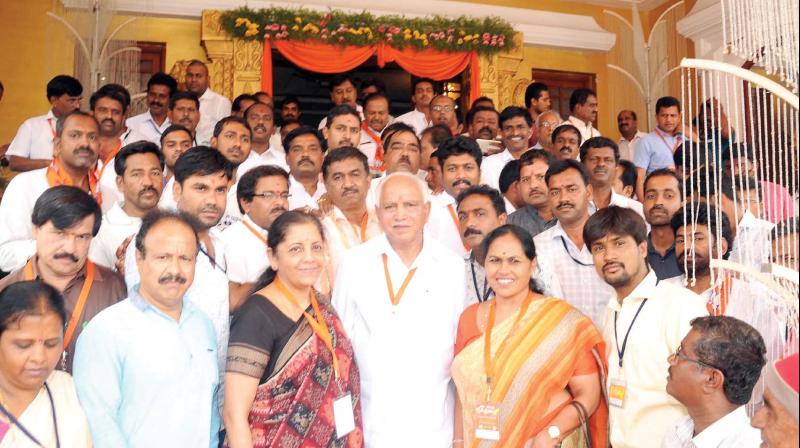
<point>118,217</point>
<point>253,224</point>
<point>208,94</point>
<point>386,248</point>
<point>50,115</point>
<point>575,121</point>
<point>639,134</point>
<point>721,429</point>
<point>643,290</point>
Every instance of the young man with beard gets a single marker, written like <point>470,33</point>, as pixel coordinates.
<point>600,156</point>
<point>304,154</point>
<point>74,161</point>
<point>567,142</point>
<point>543,128</point>
<point>376,118</point>
<point>481,209</point>
<point>184,109</point>
<point>290,108</point>
<point>515,128</point>
<point>656,150</point>
<point>536,216</point>
<point>644,321</point>
<point>261,120</point>
<point>583,110</point>
<point>139,168</point>
<point>153,123</point>
<point>422,93</point>
<point>663,197</point>
<point>175,140</point>
<point>628,126</point>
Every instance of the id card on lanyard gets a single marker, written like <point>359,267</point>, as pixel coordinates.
<point>618,388</point>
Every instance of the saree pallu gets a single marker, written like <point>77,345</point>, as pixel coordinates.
<point>294,408</point>
<point>551,341</point>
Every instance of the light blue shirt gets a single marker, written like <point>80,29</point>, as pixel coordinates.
<point>652,153</point>
<point>145,380</point>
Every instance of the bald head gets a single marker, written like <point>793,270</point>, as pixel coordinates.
<point>403,208</point>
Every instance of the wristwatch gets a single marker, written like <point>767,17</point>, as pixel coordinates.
<point>554,432</point>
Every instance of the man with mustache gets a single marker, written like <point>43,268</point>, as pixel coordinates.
<point>342,128</point>
<point>376,118</point>
<point>629,132</point>
<point>483,122</point>
<point>74,161</point>
<point>290,108</point>
<point>184,109</point>
<point>65,220</point>
<point>175,140</point>
<point>213,106</point>
<point>343,92</point>
<point>663,197</point>
<point>460,160</point>
<point>153,123</point>
<point>261,119</point>
<point>443,111</point>
<point>583,110</point>
<point>263,195</point>
<point>600,156</point>
<point>145,368</point>
<point>481,209</point>
<point>566,142</point>
<point>565,261</point>
<point>543,126</point>
<point>422,92</point>
<point>402,152</point>
<point>515,128</point>
<point>139,168</point>
<point>536,216</point>
<point>643,323</point>
<point>304,154</point>
<point>656,150</point>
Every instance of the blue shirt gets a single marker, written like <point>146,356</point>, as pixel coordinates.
<point>145,380</point>
<point>652,153</point>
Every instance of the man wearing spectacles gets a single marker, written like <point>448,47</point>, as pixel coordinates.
<point>443,111</point>
<point>713,373</point>
<point>543,127</point>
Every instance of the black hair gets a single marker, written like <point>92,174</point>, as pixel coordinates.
<point>738,150</point>
<point>614,220</point>
<point>532,155</point>
<point>163,79</point>
<point>534,91</point>
<point>596,143</point>
<point>177,96</point>
<point>456,146</point>
<point>63,85</point>
<point>338,111</point>
<point>111,92</point>
<point>580,96</point>
<point>299,132</point>
<point>525,240</point>
<point>201,161</point>
<point>121,89</point>
<point>343,153</point>
<point>340,79</point>
<point>702,214</point>
<point>75,113</point>
<point>629,176</point>
<point>251,107</point>
<point>376,96</point>
<point>174,128</point>
<point>559,166</point>
<point>140,147</point>
<point>236,105</point>
<point>246,189</point>
<point>439,134</point>
<point>707,188</point>
<point>157,215</point>
<point>494,196</point>
<point>64,207</point>
<point>394,130</point>
<point>784,228</point>
<point>734,348</point>
<point>513,112</point>
<point>263,93</point>
<point>667,101</point>
<point>632,112</point>
<point>231,119</point>
<point>30,298</point>
<point>290,99</point>
<point>508,175</point>
<point>277,234</point>
<point>667,173</point>
<point>374,82</point>
<point>566,127</point>
<point>417,81</point>
<point>474,111</point>
<point>482,99</point>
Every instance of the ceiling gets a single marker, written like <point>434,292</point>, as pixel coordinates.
<point>644,5</point>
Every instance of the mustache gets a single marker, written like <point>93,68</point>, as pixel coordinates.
<point>350,190</point>
<point>613,263</point>
<point>305,159</point>
<point>565,204</point>
<point>278,208</point>
<point>210,208</point>
<point>148,190</point>
<point>66,255</point>
<point>172,278</point>
<point>535,191</point>
<point>107,120</point>
<point>471,231</point>
<point>82,148</point>
<point>260,127</point>
<point>404,159</point>
<point>462,181</point>
<point>485,128</point>
<point>156,103</point>
<point>565,147</point>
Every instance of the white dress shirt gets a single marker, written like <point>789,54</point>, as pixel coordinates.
<point>16,230</point>
<point>443,226</point>
<point>731,431</point>
<point>341,235</point>
<point>404,351</point>
<point>299,197</point>
<point>214,107</point>
<point>245,253</point>
<point>586,129</point>
<point>145,125</point>
<point>661,325</point>
<point>416,120</point>
<point>232,213</point>
<point>117,225</point>
<point>492,166</point>
<point>369,147</point>
<point>34,139</point>
<point>752,246</point>
<point>268,157</point>
<point>627,148</point>
<point>108,176</point>
<point>167,199</point>
<point>565,268</point>
<point>621,201</point>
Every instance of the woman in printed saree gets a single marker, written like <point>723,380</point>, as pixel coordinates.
<point>291,379</point>
<point>38,404</point>
<point>528,368</point>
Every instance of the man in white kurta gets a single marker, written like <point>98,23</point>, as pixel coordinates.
<point>404,347</point>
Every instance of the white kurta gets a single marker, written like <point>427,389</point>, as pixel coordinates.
<point>492,166</point>
<point>245,253</point>
<point>34,138</point>
<point>117,226</point>
<point>444,226</point>
<point>299,197</point>
<point>145,125</point>
<point>16,236</point>
<point>416,120</point>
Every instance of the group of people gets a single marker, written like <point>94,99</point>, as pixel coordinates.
<point>198,276</point>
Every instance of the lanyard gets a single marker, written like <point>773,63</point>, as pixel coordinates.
<point>56,177</point>
<point>108,159</point>
<point>396,297</point>
<point>677,141</point>
<point>486,290</point>
<point>317,324</point>
<point>564,242</point>
<point>724,291</point>
<point>488,361</point>
<point>255,232</point>
<point>52,128</point>
<point>82,296</point>
<point>378,144</point>
<point>453,215</point>
<point>363,228</point>
<point>24,430</point>
<point>621,353</point>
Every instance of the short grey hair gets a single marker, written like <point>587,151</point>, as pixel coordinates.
<point>423,187</point>
<point>549,112</point>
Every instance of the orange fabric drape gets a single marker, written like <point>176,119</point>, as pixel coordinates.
<point>326,58</point>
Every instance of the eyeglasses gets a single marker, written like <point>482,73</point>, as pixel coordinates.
<point>270,196</point>
<point>680,355</point>
<point>439,108</point>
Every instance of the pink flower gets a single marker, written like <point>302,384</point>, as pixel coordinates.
<point>275,27</point>
<point>486,36</point>
<point>501,44</point>
<point>450,31</point>
<point>283,27</point>
<point>381,29</point>
<point>389,36</point>
<point>266,36</point>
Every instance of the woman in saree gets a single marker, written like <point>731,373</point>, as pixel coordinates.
<point>38,404</point>
<point>539,384</point>
<point>291,379</point>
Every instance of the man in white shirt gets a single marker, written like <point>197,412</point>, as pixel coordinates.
<point>343,92</point>
<point>402,152</point>
<point>583,112</point>
<point>342,128</point>
<point>565,261</point>
<point>263,195</point>
<point>151,124</point>
<point>600,156</point>
<point>713,374</point>
<point>422,94</point>
<point>656,150</point>
<point>537,100</point>
<point>261,120</point>
<point>376,118</point>
<point>543,128</point>
<point>304,155</point>
<point>566,142</point>
<point>402,319</point>
<point>184,109</point>
<point>629,132</point>
<point>644,323</point>
<point>536,215</point>
<point>74,160</point>
<point>515,128</point>
<point>213,106</point>
<point>32,147</point>
<point>232,139</point>
<point>483,122</point>
<point>175,140</point>
<point>139,170</point>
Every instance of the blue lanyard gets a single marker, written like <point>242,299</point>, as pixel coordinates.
<point>24,430</point>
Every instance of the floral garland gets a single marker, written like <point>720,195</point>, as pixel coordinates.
<point>485,36</point>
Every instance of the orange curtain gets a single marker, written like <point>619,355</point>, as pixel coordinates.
<point>326,58</point>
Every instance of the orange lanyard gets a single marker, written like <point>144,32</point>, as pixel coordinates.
<point>84,294</point>
<point>255,232</point>
<point>317,324</point>
<point>109,159</point>
<point>724,291</point>
<point>52,128</point>
<point>363,228</point>
<point>378,144</point>
<point>396,298</point>
<point>453,215</point>
<point>56,177</point>
<point>677,141</point>
<point>487,340</point>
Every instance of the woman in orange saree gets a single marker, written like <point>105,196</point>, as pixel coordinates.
<point>539,383</point>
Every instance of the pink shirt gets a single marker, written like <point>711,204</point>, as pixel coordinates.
<point>778,203</point>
